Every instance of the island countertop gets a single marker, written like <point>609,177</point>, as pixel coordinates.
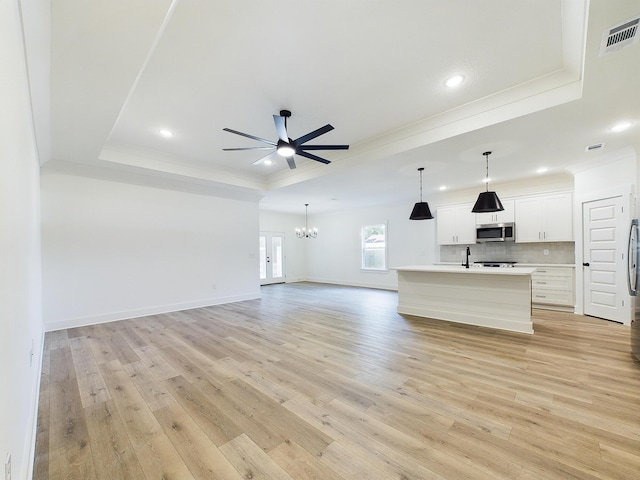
<point>470,270</point>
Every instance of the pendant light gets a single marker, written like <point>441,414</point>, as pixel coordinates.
<point>305,232</point>
<point>487,201</point>
<point>421,209</point>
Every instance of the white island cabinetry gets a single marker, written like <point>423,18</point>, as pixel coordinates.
<point>488,297</point>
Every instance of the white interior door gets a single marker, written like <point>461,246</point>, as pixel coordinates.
<point>604,262</point>
<point>271,258</point>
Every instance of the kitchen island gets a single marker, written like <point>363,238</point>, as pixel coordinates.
<point>488,297</point>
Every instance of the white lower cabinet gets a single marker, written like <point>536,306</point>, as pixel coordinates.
<point>553,288</point>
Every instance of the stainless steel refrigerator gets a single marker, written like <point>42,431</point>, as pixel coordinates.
<point>634,283</point>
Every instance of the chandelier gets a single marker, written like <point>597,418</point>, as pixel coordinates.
<point>305,232</point>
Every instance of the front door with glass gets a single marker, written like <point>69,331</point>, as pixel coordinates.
<point>271,258</point>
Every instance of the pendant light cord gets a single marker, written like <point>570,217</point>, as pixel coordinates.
<point>420,170</point>
<point>486,155</point>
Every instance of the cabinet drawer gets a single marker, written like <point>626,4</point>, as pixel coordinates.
<point>552,297</point>
<point>554,271</point>
<point>551,282</point>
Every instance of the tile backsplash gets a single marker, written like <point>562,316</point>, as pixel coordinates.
<point>558,252</point>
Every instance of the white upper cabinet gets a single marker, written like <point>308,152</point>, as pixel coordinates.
<point>505,216</point>
<point>544,218</point>
<point>456,225</point>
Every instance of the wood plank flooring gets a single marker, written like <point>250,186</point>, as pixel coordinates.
<point>330,383</point>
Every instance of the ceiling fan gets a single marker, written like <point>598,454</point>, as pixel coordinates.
<point>285,146</point>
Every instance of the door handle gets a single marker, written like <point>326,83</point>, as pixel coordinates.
<point>585,264</point>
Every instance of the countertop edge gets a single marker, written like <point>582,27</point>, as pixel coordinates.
<point>458,269</point>
<point>565,265</point>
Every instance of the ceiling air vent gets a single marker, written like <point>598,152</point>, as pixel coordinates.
<point>620,36</point>
<point>595,146</point>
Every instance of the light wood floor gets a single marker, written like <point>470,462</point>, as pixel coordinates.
<point>327,382</point>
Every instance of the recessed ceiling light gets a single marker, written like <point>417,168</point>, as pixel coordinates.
<point>166,133</point>
<point>486,180</point>
<point>268,162</point>
<point>542,170</point>
<point>620,127</point>
<point>443,187</point>
<point>454,81</point>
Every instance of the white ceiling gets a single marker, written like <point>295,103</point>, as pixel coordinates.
<point>536,92</point>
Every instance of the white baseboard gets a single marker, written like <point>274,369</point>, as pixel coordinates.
<point>115,316</point>
<point>35,404</point>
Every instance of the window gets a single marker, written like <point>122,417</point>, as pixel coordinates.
<point>374,247</point>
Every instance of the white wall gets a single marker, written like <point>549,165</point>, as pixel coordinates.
<point>113,250</point>
<point>335,255</point>
<point>20,315</point>
<point>611,175</point>
<point>295,266</point>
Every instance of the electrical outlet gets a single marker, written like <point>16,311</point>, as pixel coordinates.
<point>545,251</point>
<point>7,467</point>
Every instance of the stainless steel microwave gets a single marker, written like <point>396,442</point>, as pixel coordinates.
<point>495,232</point>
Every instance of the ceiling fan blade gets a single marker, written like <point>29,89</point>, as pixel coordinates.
<point>262,159</point>
<point>324,147</point>
<point>291,162</point>
<point>247,148</point>
<point>250,136</point>
<point>281,128</point>
<point>313,157</point>
<point>314,134</point>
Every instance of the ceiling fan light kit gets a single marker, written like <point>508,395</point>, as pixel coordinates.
<point>421,209</point>
<point>285,146</point>
<point>487,201</point>
<point>284,149</point>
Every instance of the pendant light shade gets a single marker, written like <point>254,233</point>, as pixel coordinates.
<point>421,212</point>
<point>487,201</point>
<point>421,209</point>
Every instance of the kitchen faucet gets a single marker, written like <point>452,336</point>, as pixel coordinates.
<point>466,263</point>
